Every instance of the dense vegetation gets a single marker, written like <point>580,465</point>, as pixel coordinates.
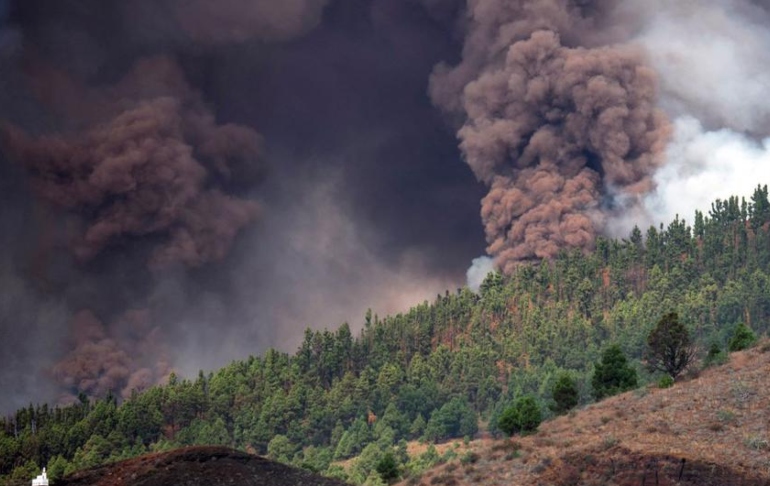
<point>439,370</point>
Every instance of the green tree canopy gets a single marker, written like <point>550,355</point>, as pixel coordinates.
<point>743,338</point>
<point>454,419</point>
<point>613,374</point>
<point>670,349</point>
<point>387,468</point>
<point>565,393</point>
<point>521,417</point>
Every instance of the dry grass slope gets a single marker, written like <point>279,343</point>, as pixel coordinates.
<point>711,430</point>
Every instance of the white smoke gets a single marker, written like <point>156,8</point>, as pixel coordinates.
<point>713,60</point>
<point>706,165</point>
<point>478,271</point>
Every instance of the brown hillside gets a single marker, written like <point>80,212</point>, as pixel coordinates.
<point>709,431</point>
<point>197,466</point>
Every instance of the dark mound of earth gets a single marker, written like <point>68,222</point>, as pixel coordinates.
<point>197,466</point>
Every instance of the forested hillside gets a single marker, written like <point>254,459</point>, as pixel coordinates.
<point>436,372</point>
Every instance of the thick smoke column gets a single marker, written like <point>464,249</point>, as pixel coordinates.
<point>141,168</point>
<point>150,170</point>
<point>562,134</point>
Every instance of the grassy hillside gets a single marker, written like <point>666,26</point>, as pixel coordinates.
<point>713,429</point>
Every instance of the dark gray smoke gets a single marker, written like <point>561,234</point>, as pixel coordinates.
<point>242,20</point>
<point>186,186</point>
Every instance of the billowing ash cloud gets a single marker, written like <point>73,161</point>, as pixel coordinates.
<point>557,102</point>
<point>154,165</point>
<point>142,168</point>
<point>165,175</point>
<point>126,357</point>
<point>562,134</point>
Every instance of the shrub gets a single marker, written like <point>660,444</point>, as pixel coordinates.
<point>610,441</point>
<point>428,459</point>
<point>469,457</point>
<point>742,392</point>
<point>613,374</point>
<point>666,382</point>
<point>336,471</point>
<point>715,355</point>
<point>743,338</point>
<point>565,394</point>
<point>756,442</point>
<point>726,416</point>
<point>522,417</point>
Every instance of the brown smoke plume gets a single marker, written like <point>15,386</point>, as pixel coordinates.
<point>154,166</point>
<point>553,129</point>
<point>127,357</point>
<point>144,169</point>
<point>140,170</point>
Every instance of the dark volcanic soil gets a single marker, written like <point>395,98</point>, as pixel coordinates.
<point>197,466</point>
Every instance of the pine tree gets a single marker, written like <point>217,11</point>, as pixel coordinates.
<point>669,347</point>
<point>565,394</point>
<point>613,374</point>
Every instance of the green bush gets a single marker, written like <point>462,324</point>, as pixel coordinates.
<point>613,374</point>
<point>666,382</point>
<point>469,457</point>
<point>565,394</point>
<point>419,464</point>
<point>522,417</point>
<point>715,355</point>
<point>387,468</point>
<point>455,418</point>
<point>743,338</point>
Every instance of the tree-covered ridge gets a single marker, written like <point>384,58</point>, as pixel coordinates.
<point>437,370</point>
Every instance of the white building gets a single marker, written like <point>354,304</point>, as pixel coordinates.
<point>41,480</point>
